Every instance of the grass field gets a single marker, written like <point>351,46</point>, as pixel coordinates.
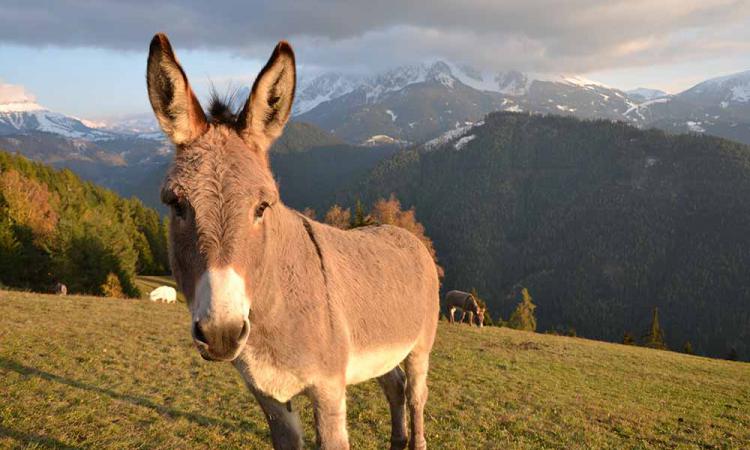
<point>85,372</point>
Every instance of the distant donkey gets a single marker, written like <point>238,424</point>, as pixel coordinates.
<point>466,303</point>
<point>298,307</point>
<point>61,289</point>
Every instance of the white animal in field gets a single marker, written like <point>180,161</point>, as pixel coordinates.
<point>165,294</point>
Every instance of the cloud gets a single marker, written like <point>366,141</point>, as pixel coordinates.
<point>12,93</point>
<point>539,35</point>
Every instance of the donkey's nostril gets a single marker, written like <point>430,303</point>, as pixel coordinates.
<point>244,332</point>
<point>198,333</point>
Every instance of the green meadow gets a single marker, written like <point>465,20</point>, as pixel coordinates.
<point>88,372</point>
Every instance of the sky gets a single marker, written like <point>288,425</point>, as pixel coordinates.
<point>87,58</point>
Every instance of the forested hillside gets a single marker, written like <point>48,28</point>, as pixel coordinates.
<point>54,227</point>
<point>601,222</point>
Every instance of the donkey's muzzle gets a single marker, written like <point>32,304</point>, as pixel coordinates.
<point>220,341</point>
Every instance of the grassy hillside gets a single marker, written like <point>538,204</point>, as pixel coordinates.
<point>85,372</point>
<point>56,227</point>
<point>601,221</point>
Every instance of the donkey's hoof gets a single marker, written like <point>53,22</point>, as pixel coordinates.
<point>399,444</point>
<point>418,444</point>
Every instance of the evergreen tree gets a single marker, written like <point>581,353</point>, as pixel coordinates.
<point>628,338</point>
<point>655,337</point>
<point>360,219</point>
<point>688,348</point>
<point>523,317</point>
<point>732,355</point>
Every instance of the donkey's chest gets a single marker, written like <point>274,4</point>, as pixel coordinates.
<point>268,377</point>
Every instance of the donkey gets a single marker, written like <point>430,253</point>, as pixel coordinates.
<point>466,303</point>
<point>298,307</point>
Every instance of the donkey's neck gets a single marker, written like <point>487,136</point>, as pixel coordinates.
<point>291,256</point>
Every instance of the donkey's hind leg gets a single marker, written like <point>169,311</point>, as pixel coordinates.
<point>286,429</point>
<point>417,365</point>
<point>394,387</point>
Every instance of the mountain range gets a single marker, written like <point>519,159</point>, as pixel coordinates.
<point>414,103</point>
<point>404,106</point>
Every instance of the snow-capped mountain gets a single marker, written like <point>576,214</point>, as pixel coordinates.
<point>420,101</point>
<point>724,92</point>
<point>311,93</point>
<point>134,125</point>
<point>718,106</point>
<point>642,94</point>
<point>417,102</point>
<point>27,116</point>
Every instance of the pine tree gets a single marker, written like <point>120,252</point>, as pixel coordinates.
<point>523,317</point>
<point>360,219</point>
<point>655,337</point>
<point>688,348</point>
<point>628,338</point>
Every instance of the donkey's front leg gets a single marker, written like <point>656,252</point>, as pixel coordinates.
<point>394,387</point>
<point>329,401</point>
<point>286,429</point>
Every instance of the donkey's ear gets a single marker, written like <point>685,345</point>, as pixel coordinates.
<point>174,103</point>
<point>270,103</point>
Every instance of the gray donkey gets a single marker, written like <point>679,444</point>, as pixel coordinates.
<point>296,306</point>
<point>466,303</point>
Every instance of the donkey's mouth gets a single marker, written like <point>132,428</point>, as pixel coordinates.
<point>221,346</point>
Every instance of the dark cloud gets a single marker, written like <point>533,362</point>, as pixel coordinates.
<point>570,35</point>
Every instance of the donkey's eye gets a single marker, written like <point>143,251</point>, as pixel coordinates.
<point>260,209</point>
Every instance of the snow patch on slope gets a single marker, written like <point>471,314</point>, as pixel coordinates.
<point>451,135</point>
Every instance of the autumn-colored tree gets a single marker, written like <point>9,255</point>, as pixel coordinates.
<point>389,212</point>
<point>523,317</point>
<point>28,203</point>
<point>338,217</point>
<point>112,287</point>
<point>655,337</point>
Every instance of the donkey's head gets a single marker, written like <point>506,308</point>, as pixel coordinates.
<point>480,316</point>
<point>221,192</point>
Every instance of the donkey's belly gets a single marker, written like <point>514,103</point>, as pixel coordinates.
<point>367,364</point>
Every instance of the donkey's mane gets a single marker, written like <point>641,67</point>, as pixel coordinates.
<point>225,108</point>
